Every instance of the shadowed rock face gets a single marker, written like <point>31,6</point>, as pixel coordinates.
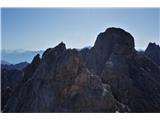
<point>132,77</point>
<point>134,82</point>
<point>112,40</point>
<point>29,70</point>
<point>9,80</point>
<point>153,53</point>
<point>109,77</point>
<point>62,83</point>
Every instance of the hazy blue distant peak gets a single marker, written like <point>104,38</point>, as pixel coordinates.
<point>140,50</point>
<point>19,50</point>
<point>5,62</point>
<point>17,56</point>
<point>87,47</point>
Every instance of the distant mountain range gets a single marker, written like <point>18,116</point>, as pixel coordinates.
<point>18,66</point>
<point>17,56</point>
<point>3,62</point>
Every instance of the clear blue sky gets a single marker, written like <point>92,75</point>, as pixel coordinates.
<point>39,28</point>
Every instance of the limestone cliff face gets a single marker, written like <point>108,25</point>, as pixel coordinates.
<point>109,77</point>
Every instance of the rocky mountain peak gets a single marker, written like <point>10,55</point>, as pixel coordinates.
<point>115,39</point>
<point>153,53</point>
<point>30,69</point>
<point>36,58</point>
<point>62,83</point>
<point>109,77</point>
<point>154,45</point>
<point>60,48</point>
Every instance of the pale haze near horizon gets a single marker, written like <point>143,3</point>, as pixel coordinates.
<point>39,28</point>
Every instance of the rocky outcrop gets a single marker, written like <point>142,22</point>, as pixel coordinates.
<point>29,70</point>
<point>153,53</point>
<point>113,39</point>
<point>12,77</point>
<point>62,83</point>
<point>134,82</point>
<point>110,77</point>
<point>132,77</point>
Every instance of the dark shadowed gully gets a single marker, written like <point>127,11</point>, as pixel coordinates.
<point>110,77</point>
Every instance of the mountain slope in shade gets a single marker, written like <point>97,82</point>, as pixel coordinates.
<point>62,83</point>
<point>9,81</point>
<point>18,66</point>
<point>12,75</point>
<point>109,77</point>
<point>134,80</point>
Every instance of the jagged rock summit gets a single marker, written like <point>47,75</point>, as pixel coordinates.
<point>62,83</point>
<point>113,40</point>
<point>131,76</point>
<point>109,77</point>
<point>153,53</point>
